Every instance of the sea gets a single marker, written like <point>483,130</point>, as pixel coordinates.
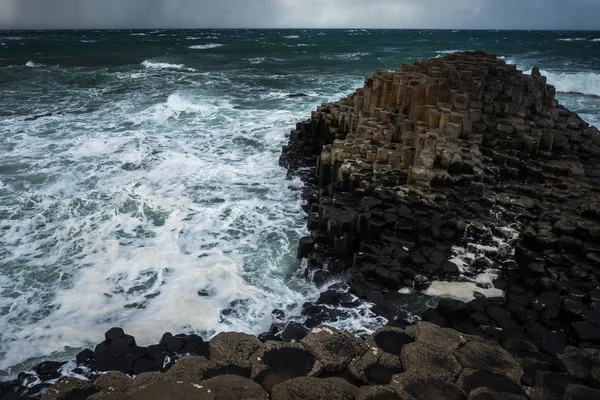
<point>139,176</point>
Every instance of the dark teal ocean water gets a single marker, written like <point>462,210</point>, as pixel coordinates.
<point>139,183</point>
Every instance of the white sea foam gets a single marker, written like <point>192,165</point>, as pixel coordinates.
<point>596,40</point>
<point>291,37</point>
<point>206,46</point>
<point>139,34</point>
<point>446,52</point>
<point>158,213</point>
<point>587,83</point>
<point>346,56</point>
<point>473,279</point>
<point>32,64</point>
<point>163,65</point>
<point>572,39</point>
<point>88,41</point>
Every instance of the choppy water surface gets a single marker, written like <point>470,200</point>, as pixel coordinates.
<point>139,183</point>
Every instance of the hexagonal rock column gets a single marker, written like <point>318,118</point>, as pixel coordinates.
<point>377,366</point>
<point>276,362</point>
<point>333,348</point>
<point>309,388</point>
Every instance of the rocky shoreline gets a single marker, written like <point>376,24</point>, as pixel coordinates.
<point>457,174</point>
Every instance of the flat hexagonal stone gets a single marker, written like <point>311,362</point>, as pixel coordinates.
<point>333,348</point>
<point>187,369</point>
<point>554,384</point>
<point>232,345</point>
<point>580,361</point>
<point>276,362</point>
<point>167,389</point>
<point>391,340</point>
<point>381,392</point>
<point>230,387</point>
<point>426,388</point>
<point>375,367</point>
<point>113,382</point>
<point>471,379</point>
<point>67,388</point>
<point>429,333</point>
<point>491,357</point>
<point>429,360</point>
<point>484,393</point>
<point>308,388</point>
<point>344,385</point>
<point>110,396</point>
<point>145,379</point>
<point>217,368</point>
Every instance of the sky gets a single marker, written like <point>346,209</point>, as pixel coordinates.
<point>401,14</point>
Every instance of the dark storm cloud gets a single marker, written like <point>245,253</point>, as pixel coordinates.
<point>490,14</point>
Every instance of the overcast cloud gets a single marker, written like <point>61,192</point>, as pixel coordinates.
<point>461,14</point>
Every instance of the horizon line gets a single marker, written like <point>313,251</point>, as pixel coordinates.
<point>307,29</point>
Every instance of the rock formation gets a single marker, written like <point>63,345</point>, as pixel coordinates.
<point>446,152</point>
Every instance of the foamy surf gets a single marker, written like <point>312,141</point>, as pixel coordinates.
<point>32,64</point>
<point>206,46</point>
<point>586,83</point>
<point>163,65</point>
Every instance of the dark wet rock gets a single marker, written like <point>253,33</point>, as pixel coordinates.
<point>491,357</point>
<point>430,360</point>
<point>295,95</point>
<point>294,331</point>
<point>85,357</point>
<point>276,362</point>
<point>498,313</point>
<point>233,387</point>
<point>427,388</point>
<point>580,392</point>
<point>333,348</point>
<point>233,346</point>
<point>113,333</point>
<point>308,388</point>
<point>585,332</point>
<point>579,362</point>
<point>70,388</point>
<point>453,309</point>
<point>113,382</point>
<point>519,347</point>
<point>553,385</point>
<point>471,379</point>
<point>548,342</point>
<point>168,389</point>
